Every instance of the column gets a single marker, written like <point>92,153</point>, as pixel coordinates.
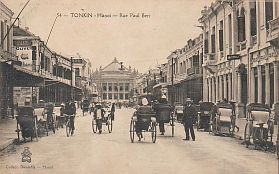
<point>267,85</point>
<point>225,86</point>
<point>229,87</point>
<point>220,88</point>
<point>239,88</point>
<point>252,86</point>
<point>214,89</point>
<point>217,88</point>
<point>205,90</point>
<point>210,89</point>
<point>276,83</point>
<point>259,85</point>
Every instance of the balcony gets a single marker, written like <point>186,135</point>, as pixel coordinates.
<point>273,32</point>
<point>210,59</point>
<point>7,55</point>
<point>241,46</point>
<point>193,70</point>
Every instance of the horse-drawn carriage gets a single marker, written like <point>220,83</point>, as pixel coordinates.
<point>259,127</point>
<point>204,112</point>
<point>143,120</point>
<point>26,123</point>
<point>223,119</point>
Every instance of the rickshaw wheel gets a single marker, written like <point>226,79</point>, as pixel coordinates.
<point>132,131</point>
<point>68,128</point>
<point>153,132</point>
<point>94,126</point>
<point>109,123</point>
<point>172,126</point>
<point>198,123</point>
<point>246,135</point>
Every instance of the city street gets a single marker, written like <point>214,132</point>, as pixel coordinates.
<point>86,152</point>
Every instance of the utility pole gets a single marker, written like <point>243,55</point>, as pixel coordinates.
<point>172,88</point>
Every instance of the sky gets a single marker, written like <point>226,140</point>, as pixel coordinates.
<point>140,42</point>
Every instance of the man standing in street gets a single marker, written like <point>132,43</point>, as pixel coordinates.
<point>189,114</point>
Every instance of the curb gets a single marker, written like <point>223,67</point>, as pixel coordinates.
<point>6,144</point>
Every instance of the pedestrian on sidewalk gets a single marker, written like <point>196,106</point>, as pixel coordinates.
<point>189,117</point>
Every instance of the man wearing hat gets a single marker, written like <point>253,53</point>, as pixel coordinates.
<point>189,115</point>
<point>99,113</point>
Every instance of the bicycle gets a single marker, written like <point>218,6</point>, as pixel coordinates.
<point>69,124</point>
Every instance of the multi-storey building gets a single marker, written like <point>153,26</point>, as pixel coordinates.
<point>182,74</point>
<point>115,82</point>
<point>48,75</point>
<point>247,32</point>
<point>7,57</point>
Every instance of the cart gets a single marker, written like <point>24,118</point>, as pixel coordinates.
<point>178,112</point>
<point>105,120</point>
<point>164,114</point>
<point>222,119</point>
<point>26,123</point>
<point>143,120</point>
<point>259,127</point>
<point>203,121</point>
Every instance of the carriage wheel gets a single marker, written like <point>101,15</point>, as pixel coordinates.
<point>17,130</point>
<point>46,128</point>
<point>36,129</point>
<point>132,131</point>
<point>214,126</point>
<point>109,124</point>
<point>199,123</point>
<point>172,126</point>
<point>154,132</point>
<point>94,126</point>
<point>68,128</point>
<point>247,135</point>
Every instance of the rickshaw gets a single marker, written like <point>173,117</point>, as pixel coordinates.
<point>165,114</point>
<point>106,120</point>
<point>203,121</point>
<point>143,120</point>
<point>26,123</point>
<point>85,106</point>
<point>222,119</point>
<point>178,112</point>
<point>49,119</point>
<point>259,126</point>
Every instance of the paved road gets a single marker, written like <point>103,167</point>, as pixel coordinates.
<point>88,153</point>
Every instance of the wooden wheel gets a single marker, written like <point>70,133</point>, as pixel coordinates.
<point>94,126</point>
<point>153,132</point>
<point>247,134</point>
<point>132,131</point>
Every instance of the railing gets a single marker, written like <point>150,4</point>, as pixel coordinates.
<point>253,40</point>
<point>273,31</point>
<point>210,59</point>
<point>193,70</point>
<point>241,46</point>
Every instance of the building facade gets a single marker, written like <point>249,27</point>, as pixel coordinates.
<point>115,82</point>
<point>241,52</point>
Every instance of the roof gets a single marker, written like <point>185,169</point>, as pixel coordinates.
<point>115,65</point>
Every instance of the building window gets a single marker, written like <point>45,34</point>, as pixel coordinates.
<point>2,33</point>
<point>8,39</point>
<point>121,86</point>
<point>268,12</point>
<point>109,87</point>
<point>253,18</point>
<point>221,37</point>
<point>206,43</point>
<point>121,96</point>
<point>77,72</point>
<point>104,87</point>
<point>213,47</point>
<point>104,96</point>
<point>115,87</point>
<point>241,25</point>
<point>126,96</point>
<point>115,96</point>
<point>127,87</point>
<point>109,96</point>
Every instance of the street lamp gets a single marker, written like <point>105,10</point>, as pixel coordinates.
<point>172,74</point>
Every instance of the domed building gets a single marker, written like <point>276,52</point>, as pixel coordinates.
<point>115,82</point>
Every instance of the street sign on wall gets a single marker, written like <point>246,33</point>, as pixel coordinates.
<point>233,57</point>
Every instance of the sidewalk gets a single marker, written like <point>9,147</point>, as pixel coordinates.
<point>7,132</point>
<point>241,124</point>
<point>8,135</point>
